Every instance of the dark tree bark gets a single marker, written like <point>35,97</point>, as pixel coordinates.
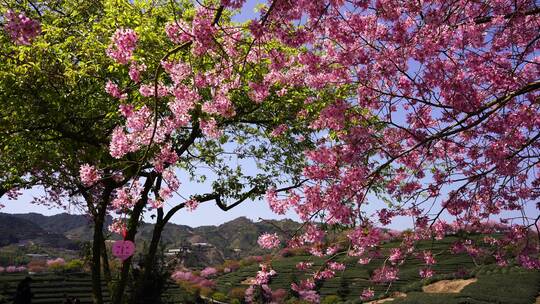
<point>98,245</point>
<point>105,262</point>
<point>118,293</point>
<point>96,257</point>
<point>145,283</point>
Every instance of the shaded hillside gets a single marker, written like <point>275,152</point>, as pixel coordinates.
<point>15,230</point>
<point>238,237</point>
<point>58,223</point>
<point>73,226</point>
<point>231,240</point>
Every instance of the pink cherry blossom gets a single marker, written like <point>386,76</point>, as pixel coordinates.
<point>259,91</point>
<point>117,226</point>
<point>263,276</point>
<point>426,273</point>
<point>56,262</point>
<point>135,70</point>
<point>221,105</point>
<point>269,241</point>
<point>208,272</point>
<point>400,106</point>
<point>178,32</point>
<point>313,234</point>
<point>336,266</point>
<point>324,274</point>
<point>148,90</point>
<point>127,196</point>
<point>233,3</point>
<point>306,290</point>
<point>277,205</point>
<point>428,258</point>
<point>304,265</point>
<point>165,157</point>
<point>385,274</point>
<point>367,294</point>
<point>20,28</point>
<point>89,175</point>
<point>171,179</point>
<point>113,90</point>
<point>310,296</point>
<point>279,130</point>
<point>22,269</point>
<point>188,276</point>
<point>11,269</point>
<point>210,128</point>
<point>123,43</point>
<point>155,204</point>
<point>120,144</point>
<point>192,204</point>
<point>202,30</point>
<point>396,256</point>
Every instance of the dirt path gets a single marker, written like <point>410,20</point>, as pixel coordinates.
<point>444,286</point>
<point>448,286</point>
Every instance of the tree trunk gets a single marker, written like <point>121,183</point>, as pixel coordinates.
<point>96,261</point>
<point>120,287</point>
<point>105,262</point>
<point>98,242</point>
<point>145,282</point>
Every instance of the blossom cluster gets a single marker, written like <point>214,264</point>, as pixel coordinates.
<point>191,278</point>
<point>208,272</point>
<point>269,241</point>
<point>306,290</point>
<point>123,43</point>
<point>261,281</point>
<point>89,175</point>
<point>117,226</point>
<point>114,90</point>
<point>20,28</point>
<point>56,262</point>
<point>13,269</point>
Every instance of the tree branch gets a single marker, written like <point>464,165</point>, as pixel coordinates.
<point>217,198</point>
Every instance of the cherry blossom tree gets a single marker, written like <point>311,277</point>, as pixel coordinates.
<point>422,109</point>
<point>428,110</point>
<point>439,121</point>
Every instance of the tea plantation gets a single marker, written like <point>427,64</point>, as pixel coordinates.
<point>54,288</point>
<point>512,285</point>
<point>509,285</point>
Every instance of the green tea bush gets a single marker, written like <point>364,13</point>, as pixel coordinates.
<point>75,265</point>
<point>218,296</point>
<point>331,300</point>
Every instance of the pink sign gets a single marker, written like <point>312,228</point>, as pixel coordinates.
<point>123,249</point>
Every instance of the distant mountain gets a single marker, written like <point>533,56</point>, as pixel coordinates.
<point>239,236</point>
<point>209,244</point>
<point>59,223</point>
<point>15,230</point>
